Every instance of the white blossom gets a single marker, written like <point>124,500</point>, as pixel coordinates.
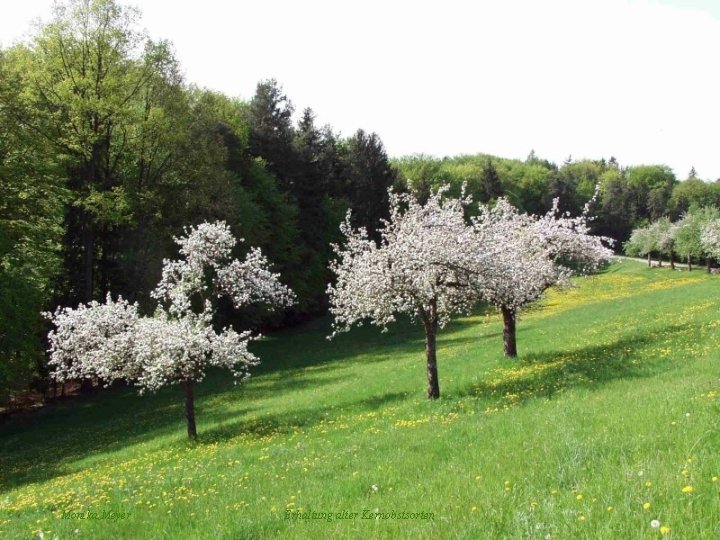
<point>710,238</point>
<point>206,250</point>
<point>112,341</point>
<point>93,341</point>
<point>423,265</point>
<point>430,263</point>
<point>521,255</point>
<point>169,350</point>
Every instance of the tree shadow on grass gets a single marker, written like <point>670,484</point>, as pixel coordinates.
<point>45,444</point>
<point>273,424</point>
<point>545,374</point>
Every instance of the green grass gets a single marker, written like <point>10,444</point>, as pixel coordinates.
<point>611,404</point>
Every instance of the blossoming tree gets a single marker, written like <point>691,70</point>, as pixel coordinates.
<point>667,231</point>
<point>523,255</point>
<point>177,344</point>
<point>688,238</point>
<point>422,266</point>
<point>642,242</point>
<point>710,238</point>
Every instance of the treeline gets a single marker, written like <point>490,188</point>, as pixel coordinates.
<point>106,153</point>
<point>693,238</point>
<point>628,196</point>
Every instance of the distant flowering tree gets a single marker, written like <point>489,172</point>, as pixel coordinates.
<point>113,341</point>
<point>666,236</point>
<point>689,232</point>
<point>642,242</point>
<point>710,238</point>
<point>528,255</point>
<point>423,266</point>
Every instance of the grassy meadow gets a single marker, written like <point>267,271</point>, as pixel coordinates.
<point>608,420</point>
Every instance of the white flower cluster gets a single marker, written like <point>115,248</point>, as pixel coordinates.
<point>710,238</point>
<point>423,266</point>
<point>112,341</point>
<point>522,255</point>
<point>206,268</point>
<point>93,341</point>
<point>429,258</point>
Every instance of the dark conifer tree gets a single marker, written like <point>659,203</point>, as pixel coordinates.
<point>369,175</point>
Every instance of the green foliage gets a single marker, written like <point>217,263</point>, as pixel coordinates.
<point>687,239</point>
<point>627,196</point>
<point>369,175</point>
<point>31,210</point>
<point>693,192</point>
<point>106,153</point>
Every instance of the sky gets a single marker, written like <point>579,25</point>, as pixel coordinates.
<point>634,79</point>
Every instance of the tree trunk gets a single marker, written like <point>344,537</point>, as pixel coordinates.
<point>707,262</point>
<point>431,327</point>
<point>88,260</point>
<point>649,260</point>
<point>88,240</point>
<point>86,386</point>
<point>689,264</point>
<point>509,340</point>
<point>190,409</point>
<point>659,261</point>
<point>672,261</point>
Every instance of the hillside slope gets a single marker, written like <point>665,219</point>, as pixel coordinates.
<point>608,420</point>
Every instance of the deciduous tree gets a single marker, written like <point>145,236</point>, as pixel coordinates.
<point>422,266</point>
<point>521,256</point>
<point>178,343</point>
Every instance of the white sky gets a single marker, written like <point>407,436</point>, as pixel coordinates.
<point>591,78</point>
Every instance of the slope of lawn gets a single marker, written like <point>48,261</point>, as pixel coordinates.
<point>608,420</point>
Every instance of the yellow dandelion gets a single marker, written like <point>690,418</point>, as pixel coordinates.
<point>581,518</point>
<point>646,506</point>
<point>579,497</point>
<point>609,508</point>
<point>714,478</point>
<point>688,489</point>
<point>664,529</point>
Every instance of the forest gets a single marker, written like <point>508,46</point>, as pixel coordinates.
<point>107,153</point>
